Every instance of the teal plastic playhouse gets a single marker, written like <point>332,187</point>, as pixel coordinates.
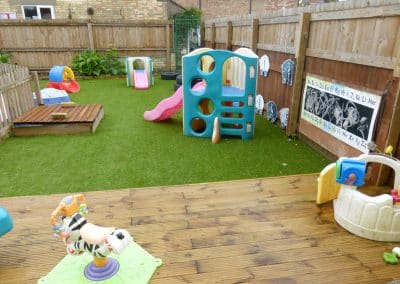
<point>219,83</point>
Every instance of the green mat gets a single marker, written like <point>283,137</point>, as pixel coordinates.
<point>136,266</point>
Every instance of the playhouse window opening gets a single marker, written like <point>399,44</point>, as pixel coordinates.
<point>232,104</point>
<point>207,63</point>
<point>232,114</point>
<point>196,86</point>
<point>198,125</point>
<point>138,64</point>
<point>234,72</point>
<point>232,125</point>
<point>206,106</point>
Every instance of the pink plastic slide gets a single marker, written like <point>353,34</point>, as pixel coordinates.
<point>169,106</point>
<point>140,79</point>
<point>166,108</point>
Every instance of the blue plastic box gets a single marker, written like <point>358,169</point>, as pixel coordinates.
<point>350,171</point>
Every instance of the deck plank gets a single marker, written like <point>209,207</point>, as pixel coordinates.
<point>250,231</point>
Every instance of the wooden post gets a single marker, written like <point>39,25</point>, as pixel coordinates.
<point>396,71</point>
<point>393,135</point>
<point>168,45</point>
<point>213,35</point>
<point>392,138</point>
<point>294,108</point>
<point>203,34</point>
<point>90,35</point>
<point>229,34</point>
<point>36,86</point>
<point>254,35</point>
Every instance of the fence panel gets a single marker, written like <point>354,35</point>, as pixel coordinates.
<point>15,94</point>
<point>42,44</point>
<point>352,43</point>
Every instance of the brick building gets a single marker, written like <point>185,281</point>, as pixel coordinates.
<point>136,9</point>
<point>83,9</point>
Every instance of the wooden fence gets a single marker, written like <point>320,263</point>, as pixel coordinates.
<point>355,43</point>
<point>15,94</point>
<point>41,44</point>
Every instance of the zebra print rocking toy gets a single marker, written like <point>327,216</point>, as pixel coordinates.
<point>79,236</point>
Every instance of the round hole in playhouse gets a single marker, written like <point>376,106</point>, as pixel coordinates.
<point>198,125</point>
<point>207,63</point>
<point>206,106</point>
<point>138,64</point>
<point>197,85</point>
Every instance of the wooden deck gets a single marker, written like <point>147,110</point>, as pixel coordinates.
<point>258,231</point>
<point>39,121</point>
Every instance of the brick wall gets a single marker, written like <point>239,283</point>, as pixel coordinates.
<point>5,7</point>
<point>114,9</point>
<point>103,9</point>
<point>153,9</point>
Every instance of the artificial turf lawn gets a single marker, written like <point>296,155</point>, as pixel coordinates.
<point>126,151</point>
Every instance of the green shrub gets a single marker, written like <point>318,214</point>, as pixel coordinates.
<point>113,65</point>
<point>5,57</point>
<point>91,63</point>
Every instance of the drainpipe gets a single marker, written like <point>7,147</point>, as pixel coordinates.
<point>250,6</point>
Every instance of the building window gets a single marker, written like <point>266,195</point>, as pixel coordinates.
<point>38,12</point>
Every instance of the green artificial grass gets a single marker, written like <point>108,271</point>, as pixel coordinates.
<point>126,151</point>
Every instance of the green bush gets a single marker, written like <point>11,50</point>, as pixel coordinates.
<point>113,65</point>
<point>91,63</point>
<point>5,58</point>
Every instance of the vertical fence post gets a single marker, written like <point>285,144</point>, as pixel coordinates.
<point>254,35</point>
<point>168,45</point>
<point>396,72</point>
<point>394,130</point>
<point>36,86</point>
<point>203,34</point>
<point>213,35</point>
<point>90,35</point>
<point>392,137</point>
<point>229,34</point>
<point>294,108</point>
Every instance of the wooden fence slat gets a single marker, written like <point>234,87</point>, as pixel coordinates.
<point>371,12</point>
<point>213,35</point>
<point>37,87</point>
<point>168,45</point>
<point>229,34</point>
<point>254,35</point>
<point>90,35</point>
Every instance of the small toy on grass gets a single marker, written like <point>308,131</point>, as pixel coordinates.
<point>63,78</point>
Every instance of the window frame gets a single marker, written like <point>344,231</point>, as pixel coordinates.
<point>38,7</point>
